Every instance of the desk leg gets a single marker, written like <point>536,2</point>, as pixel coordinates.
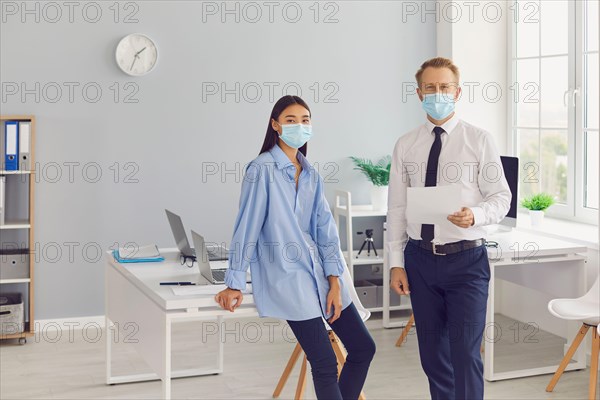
<point>490,328</point>
<point>107,327</point>
<point>573,327</point>
<point>221,344</point>
<point>166,379</point>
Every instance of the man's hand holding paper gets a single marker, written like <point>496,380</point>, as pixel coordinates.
<point>439,205</point>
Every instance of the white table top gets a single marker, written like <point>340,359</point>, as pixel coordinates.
<point>147,277</point>
<point>532,245</point>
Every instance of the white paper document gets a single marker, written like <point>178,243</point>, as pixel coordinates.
<point>188,290</point>
<point>432,204</point>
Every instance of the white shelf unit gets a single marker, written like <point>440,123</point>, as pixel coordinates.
<point>20,225</point>
<point>19,280</point>
<point>4,172</point>
<point>386,318</point>
<point>15,225</point>
<point>343,207</point>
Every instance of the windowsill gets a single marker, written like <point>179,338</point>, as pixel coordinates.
<point>561,229</point>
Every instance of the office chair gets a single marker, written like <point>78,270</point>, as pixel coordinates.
<point>587,310</point>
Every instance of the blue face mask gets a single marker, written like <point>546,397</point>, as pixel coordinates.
<point>295,135</point>
<point>438,105</point>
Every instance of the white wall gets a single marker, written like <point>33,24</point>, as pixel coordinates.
<point>474,36</point>
<point>360,59</point>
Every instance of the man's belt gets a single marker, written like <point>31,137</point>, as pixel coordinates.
<point>448,248</point>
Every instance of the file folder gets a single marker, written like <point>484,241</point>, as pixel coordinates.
<point>24,143</point>
<point>11,146</point>
<point>2,200</point>
<point>135,260</point>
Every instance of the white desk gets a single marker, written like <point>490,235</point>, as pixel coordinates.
<point>133,295</point>
<point>547,265</point>
<point>544,264</point>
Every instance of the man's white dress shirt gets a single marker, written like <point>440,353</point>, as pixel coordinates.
<point>469,158</point>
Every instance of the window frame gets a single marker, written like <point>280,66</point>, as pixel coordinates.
<point>574,209</point>
<point>581,212</point>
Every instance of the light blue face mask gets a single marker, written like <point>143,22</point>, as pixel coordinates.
<point>295,135</point>
<point>438,105</point>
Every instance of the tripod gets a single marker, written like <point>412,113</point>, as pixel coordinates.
<point>369,242</point>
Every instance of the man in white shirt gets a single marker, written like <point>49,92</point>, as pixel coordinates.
<point>445,268</point>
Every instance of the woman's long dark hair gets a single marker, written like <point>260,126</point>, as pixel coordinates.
<point>272,136</point>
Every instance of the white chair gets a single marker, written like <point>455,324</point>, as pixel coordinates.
<point>340,352</point>
<point>587,310</point>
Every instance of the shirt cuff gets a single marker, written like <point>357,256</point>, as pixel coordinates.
<point>478,216</point>
<point>334,267</point>
<point>235,279</point>
<point>396,259</point>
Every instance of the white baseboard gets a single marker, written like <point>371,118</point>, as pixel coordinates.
<point>76,323</point>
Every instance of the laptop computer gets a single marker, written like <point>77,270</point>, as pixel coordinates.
<point>215,276</point>
<point>216,253</point>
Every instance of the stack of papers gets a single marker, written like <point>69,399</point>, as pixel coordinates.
<point>147,253</point>
<point>432,204</point>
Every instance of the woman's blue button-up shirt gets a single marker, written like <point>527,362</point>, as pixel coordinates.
<point>287,237</point>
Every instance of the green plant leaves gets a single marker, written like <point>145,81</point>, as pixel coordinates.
<point>538,202</point>
<point>378,174</point>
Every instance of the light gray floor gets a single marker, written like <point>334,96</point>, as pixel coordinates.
<point>68,368</point>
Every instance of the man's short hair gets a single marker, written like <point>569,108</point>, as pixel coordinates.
<point>437,62</point>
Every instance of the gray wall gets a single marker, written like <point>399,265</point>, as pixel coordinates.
<point>172,134</point>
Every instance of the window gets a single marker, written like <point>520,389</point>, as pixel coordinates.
<point>590,106</point>
<point>554,107</point>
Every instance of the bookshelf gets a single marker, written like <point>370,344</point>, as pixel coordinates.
<point>17,228</point>
<point>344,208</point>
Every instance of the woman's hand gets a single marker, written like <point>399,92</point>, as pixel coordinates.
<point>334,298</point>
<point>226,298</point>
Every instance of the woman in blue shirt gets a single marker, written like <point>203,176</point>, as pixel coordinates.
<point>286,235</point>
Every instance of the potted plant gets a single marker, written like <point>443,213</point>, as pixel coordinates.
<point>379,175</point>
<point>537,204</point>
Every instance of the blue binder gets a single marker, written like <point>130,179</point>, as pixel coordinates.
<point>11,145</point>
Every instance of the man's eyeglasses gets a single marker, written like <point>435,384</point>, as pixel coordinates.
<point>443,88</point>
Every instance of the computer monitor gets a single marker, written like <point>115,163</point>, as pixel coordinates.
<point>510,165</point>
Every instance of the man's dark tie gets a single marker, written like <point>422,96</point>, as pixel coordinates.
<point>431,176</point>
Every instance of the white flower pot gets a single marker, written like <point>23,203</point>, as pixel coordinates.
<point>379,197</point>
<point>537,217</point>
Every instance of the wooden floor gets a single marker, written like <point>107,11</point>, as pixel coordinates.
<point>53,367</point>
